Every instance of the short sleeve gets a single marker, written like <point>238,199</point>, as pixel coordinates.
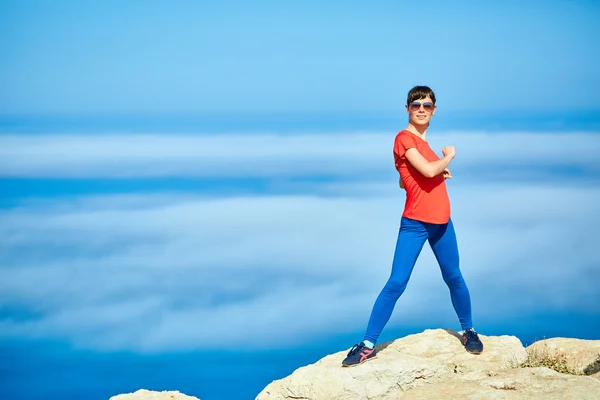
<point>402,143</point>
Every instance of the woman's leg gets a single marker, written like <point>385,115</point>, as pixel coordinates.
<point>445,248</point>
<point>410,241</point>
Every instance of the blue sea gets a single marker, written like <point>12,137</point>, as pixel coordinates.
<point>309,121</point>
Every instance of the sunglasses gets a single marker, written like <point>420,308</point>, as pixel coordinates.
<point>415,106</point>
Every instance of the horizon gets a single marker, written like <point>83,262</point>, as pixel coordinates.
<point>298,122</point>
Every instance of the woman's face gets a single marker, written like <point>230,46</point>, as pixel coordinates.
<point>420,111</point>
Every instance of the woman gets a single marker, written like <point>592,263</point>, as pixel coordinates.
<point>426,216</point>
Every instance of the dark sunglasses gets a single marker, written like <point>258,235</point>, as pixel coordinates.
<point>415,106</point>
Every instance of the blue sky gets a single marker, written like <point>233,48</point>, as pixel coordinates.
<point>194,195</point>
<point>147,56</point>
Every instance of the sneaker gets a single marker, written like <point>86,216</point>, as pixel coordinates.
<point>358,354</point>
<point>472,342</point>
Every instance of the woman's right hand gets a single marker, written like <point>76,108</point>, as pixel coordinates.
<point>449,151</point>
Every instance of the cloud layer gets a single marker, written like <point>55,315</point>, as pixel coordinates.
<point>272,155</point>
<point>171,271</point>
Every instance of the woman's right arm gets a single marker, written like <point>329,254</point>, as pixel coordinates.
<point>430,169</point>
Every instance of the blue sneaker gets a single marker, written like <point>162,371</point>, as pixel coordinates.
<point>472,342</point>
<point>358,354</point>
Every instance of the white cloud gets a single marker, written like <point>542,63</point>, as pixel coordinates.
<point>161,272</point>
<point>273,155</point>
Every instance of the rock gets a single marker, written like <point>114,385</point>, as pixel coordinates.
<point>582,356</point>
<point>445,347</point>
<point>432,365</point>
<point>518,383</point>
<point>144,394</point>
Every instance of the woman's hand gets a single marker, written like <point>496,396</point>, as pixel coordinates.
<point>447,174</point>
<point>449,151</point>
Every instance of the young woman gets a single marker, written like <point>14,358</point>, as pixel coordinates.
<point>426,217</point>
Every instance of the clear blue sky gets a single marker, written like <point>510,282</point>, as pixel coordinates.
<point>189,56</point>
<point>244,235</point>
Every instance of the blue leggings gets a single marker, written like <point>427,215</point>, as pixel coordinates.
<point>411,239</point>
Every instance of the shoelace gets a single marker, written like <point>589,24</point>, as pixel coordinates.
<point>471,335</point>
<point>356,348</point>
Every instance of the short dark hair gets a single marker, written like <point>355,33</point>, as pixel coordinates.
<point>420,92</point>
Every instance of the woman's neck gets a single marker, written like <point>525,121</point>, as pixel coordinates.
<point>420,131</point>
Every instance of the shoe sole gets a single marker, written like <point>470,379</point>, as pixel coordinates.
<point>474,352</point>
<point>362,362</point>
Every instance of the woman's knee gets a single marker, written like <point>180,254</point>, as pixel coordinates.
<point>454,280</point>
<point>395,287</point>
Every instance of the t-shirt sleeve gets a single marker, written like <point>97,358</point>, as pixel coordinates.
<point>403,142</point>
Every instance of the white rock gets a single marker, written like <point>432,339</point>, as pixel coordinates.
<point>581,355</point>
<point>144,394</point>
<point>432,365</point>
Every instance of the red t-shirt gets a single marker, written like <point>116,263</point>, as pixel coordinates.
<point>426,198</point>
